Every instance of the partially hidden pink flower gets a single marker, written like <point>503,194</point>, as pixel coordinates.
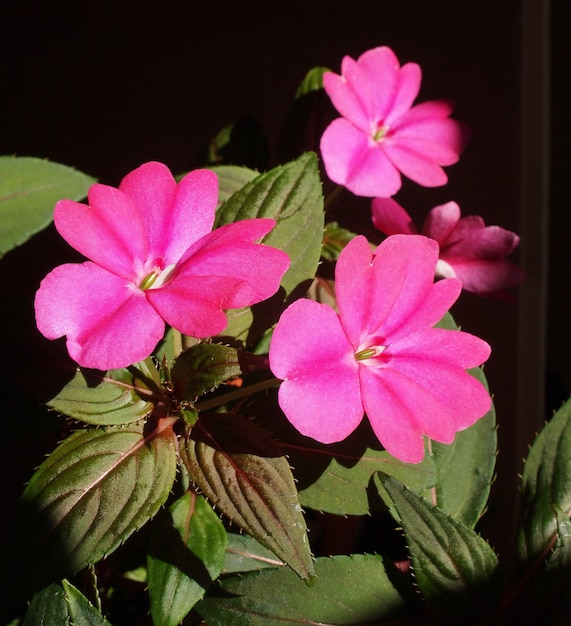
<point>380,355</point>
<point>380,134</point>
<point>469,250</point>
<point>153,258</point>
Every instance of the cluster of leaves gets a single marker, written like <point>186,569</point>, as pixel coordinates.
<point>184,479</point>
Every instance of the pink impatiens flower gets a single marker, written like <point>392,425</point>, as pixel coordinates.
<point>469,250</point>
<point>153,259</point>
<point>381,134</point>
<point>380,355</point>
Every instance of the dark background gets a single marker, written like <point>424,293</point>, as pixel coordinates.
<point>106,87</point>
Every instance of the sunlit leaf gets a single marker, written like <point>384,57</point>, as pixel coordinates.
<point>242,471</point>
<point>347,590</point>
<point>186,554</point>
<point>245,554</point>
<point>29,189</point>
<point>455,569</point>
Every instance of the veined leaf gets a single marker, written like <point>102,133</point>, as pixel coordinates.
<point>241,470</point>
<point>64,605</point>
<point>186,554</point>
<point>29,189</point>
<point>89,495</point>
<point>546,487</point>
<point>347,590</point>
<point>245,554</point>
<point>455,569</point>
<point>116,397</point>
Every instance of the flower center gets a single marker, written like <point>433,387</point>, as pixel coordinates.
<point>157,278</point>
<point>380,133</point>
<point>369,353</point>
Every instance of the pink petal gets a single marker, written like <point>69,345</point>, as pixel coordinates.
<point>108,323</point>
<point>441,221</point>
<point>110,231</point>
<point>390,218</point>
<point>320,390</point>
<point>347,101</point>
<point>472,240</point>
<point>414,159</point>
<point>352,159</point>
<point>406,91</point>
<point>375,77</point>
<point>152,189</point>
<point>488,277</point>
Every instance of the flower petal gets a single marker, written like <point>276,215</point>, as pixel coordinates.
<point>390,217</point>
<point>471,239</point>
<point>108,323</point>
<point>346,100</point>
<point>441,221</point>
<point>352,159</point>
<point>488,277</point>
<point>320,390</point>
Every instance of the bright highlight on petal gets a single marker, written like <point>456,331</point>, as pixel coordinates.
<point>381,134</point>
<point>380,355</point>
<point>153,259</point>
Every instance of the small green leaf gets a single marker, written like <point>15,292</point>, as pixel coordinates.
<point>245,554</point>
<point>116,397</point>
<point>186,554</point>
<point>455,569</point>
<point>202,368</point>
<point>546,487</point>
<point>347,590</point>
<point>89,495</point>
<point>64,605</point>
<point>241,470</point>
<point>335,239</point>
<point>29,189</point>
<point>312,81</point>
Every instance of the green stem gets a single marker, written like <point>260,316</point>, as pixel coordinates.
<point>236,395</point>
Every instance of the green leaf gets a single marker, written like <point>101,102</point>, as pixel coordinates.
<point>335,239</point>
<point>186,554</point>
<point>62,604</point>
<point>290,194</point>
<point>546,487</point>
<point>465,467</point>
<point>347,590</point>
<point>245,554</point>
<point>89,495</point>
<point>202,368</point>
<point>242,142</point>
<point>455,569</point>
<point>116,397</point>
<point>312,81</point>
<point>231,178</point>
<point>241,470</point>
<point>29,189</point>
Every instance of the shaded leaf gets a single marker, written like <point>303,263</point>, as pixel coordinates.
<point>312,81</point>
<point>245,554</point>
<point>89,495</point>
<point>29,189</point>
<point>241,470</point>
<point>242,142</point>
<point>347,590</point>
<point>231,178</point>
<point>186,554</point>
<point>335,239</point>
<point>62,604</point>
<point>202,368</point>
<point>546,487</point>
<point>119,396</point>
<point>455,569</point>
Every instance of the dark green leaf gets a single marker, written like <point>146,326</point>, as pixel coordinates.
<point>245,554</point>
<point>186,554</point>
<point>335,239</point>
<point>89,495</point>
<point>546,487</point>
<point>241,470</point>
<point>29,189</point>
<point>202,368</point>
<point>347,590</point>
<point>455,569</point>
<point>106,399</point>
<point>312,81</point>
<point>62,604</point>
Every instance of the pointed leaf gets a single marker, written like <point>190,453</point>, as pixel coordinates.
<point>347,590</point>
<point>62,604</point>
<point>245,554</point>
<point>231,178</point>
<point>290,194</point>
<point>312,81</point>
<point>240,469</point>
<point>186,554</point>
<point>546,486</point>
<point>29,189</point>
<point>89,495</point>
<point>119,396</point>
<point>455,569</point>
<point>202,368</point>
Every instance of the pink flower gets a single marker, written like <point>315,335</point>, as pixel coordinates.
<point>469,250</point>
<point>380,355</point>
<point>381,134</point>
<point>153,259</point>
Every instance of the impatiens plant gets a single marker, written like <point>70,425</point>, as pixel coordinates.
<point>230,376</point>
